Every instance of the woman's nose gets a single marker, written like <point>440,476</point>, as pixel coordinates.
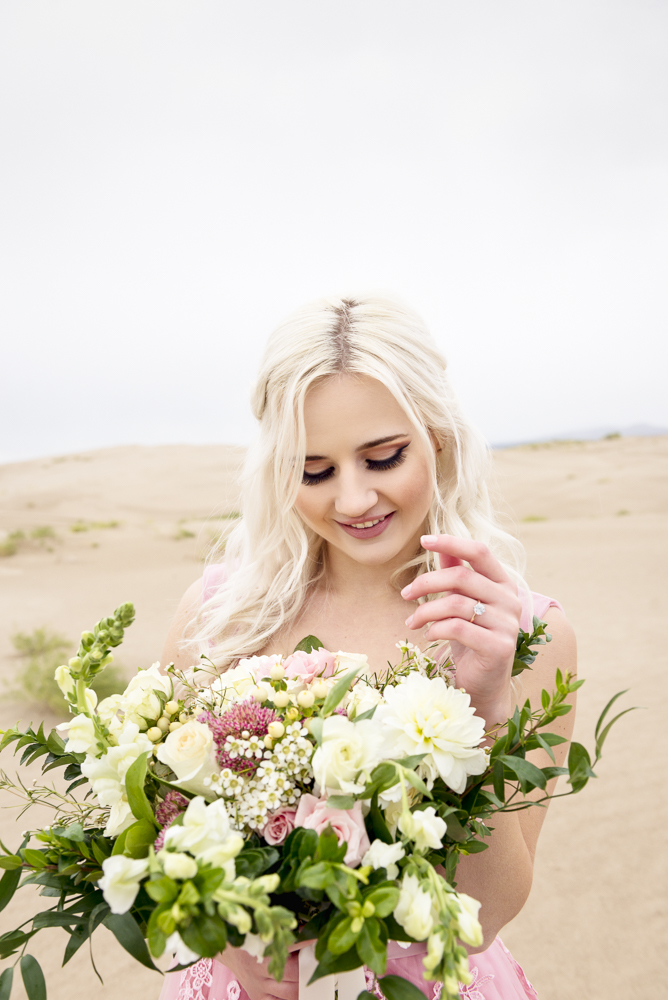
<point>355,495</point>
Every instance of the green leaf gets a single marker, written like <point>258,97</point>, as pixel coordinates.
<point>11,862</point>
<point>308,644</point>
<point>417,782</point>
<point>162,890</point>
<point>134,785</point>
<point>378,824</point>
<point>528,775</point>
<point>499,780</point>
<point>365,995</point>
<point>328,846</point>
<point>124,928</point>
<point>316,876</point>
<point>342,937</point>
<point>8,886</point>
<point>370,948</point>
<point>207,936</point>
<point>138,839</point>
<point>369,714</point>
<point>579,766</point>
<point>33,978</point>
<point>254,861</point>
<point>384,898</point>
<point>341,801</point>
<point>398,988</point>
<point>338,692</point>
<point>36,859</point>
<point>6,980</point>
<point>78,937</point>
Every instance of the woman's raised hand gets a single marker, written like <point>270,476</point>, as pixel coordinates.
<point>483,646</point>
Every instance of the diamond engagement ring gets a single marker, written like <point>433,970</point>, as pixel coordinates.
<point>478,609</point>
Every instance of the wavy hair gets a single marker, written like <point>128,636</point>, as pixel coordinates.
<point>276,557</point>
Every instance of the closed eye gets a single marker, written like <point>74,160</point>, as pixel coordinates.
<point>312,478</point>
<point>388,463</point>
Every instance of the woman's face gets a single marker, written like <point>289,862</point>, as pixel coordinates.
<point>367,483</point>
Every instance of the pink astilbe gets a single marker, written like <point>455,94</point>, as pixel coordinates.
<point>243,720</point>
<point>173,805</point>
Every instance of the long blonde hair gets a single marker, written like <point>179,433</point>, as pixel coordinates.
<point>277,558</point>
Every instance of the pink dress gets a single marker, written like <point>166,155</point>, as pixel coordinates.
<point>496,974</point>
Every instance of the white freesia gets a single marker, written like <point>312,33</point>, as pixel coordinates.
<point>81,737</point>
<point>348,752</point>
<point>120,883</point>
<point>423,716</point>
<point>191,754</point>
<point>470,930</point>
<point>254,945</point>
<point>107,776</point>
<point>177,865</point>
<point>382,855</point>
<point>424,827</point>
<point>205,833</point>
<point>175,946</point>
<point>414,911</point>
<point>64,680</point>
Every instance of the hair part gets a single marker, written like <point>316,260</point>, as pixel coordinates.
<point>275,556</point>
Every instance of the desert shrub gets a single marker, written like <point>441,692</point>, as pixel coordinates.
<point>39,653</point>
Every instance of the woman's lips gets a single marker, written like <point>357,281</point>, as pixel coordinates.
<point>375,529</point>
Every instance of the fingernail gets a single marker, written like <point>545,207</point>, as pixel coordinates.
<point>428,539</point>
<point>406,591</point>
<point>409,621</point>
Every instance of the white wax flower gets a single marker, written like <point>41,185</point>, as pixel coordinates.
<point>107,776</point>
<point>206,834</point>
<point>182,953</point>
<point>381,855</point>
<point>81,736</point>
<point>348,753</point>
<point>414,909</point>
<point>470,930</point>
<point>120,883</point>
<point>424,827</point>
<point>423,716</point>
<point>191,754</point>
<point>177,865</point>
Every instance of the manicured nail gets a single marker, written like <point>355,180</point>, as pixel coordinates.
<point>428,539</point>
<point>409,621</point>
<point>407,590</point>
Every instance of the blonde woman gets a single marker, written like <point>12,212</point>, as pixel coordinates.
<point>367,520</point>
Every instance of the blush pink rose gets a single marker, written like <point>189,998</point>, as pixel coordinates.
<point>307,666</point>
<point>279,825</point>
<point>347,824</point>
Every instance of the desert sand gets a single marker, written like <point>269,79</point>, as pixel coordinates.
<point>594,519</point>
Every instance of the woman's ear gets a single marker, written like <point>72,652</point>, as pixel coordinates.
<point>438,447</point>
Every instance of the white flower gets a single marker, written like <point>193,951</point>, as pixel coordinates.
<point>141,703</point>
<point>107,776</point>
<point>423,716</point>
<point>424,827</point>
<point>81,736</point>
<point>254,945</point>
<point>191,754</point>
<point>235,684</point>
<point>150,680</point>
<point>345,662</point>
<point>349,751</point>
<point>175,945</point>
<point>109,707</point>
<point>414,909</point>
<point>120,883</point>
<point>177,865</point>
<point>362,698</point>
<point>206,834</point>
<point>64,680</point>
<point>382,855</point>
<point>470,930</point>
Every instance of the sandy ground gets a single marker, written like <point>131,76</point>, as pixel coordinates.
<point>593,517</point>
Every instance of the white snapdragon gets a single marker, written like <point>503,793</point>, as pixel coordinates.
<point>470,930</point>
<point>190,752</point>
<point>177,865</point>
<point>347,754</point>
<point>109,707</point>
<point>81,735</point>
<point>414,910</point>
<point>381,855</point>
<point>121,881</point>
<point>423,716</point>
<point>181,952</point>
<point>107,776</point>
<point>206,834</point>
<point>424,827</point>
<point>65,682</point>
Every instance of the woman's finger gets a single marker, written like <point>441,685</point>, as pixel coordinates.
<point>477,554</point>
<point>455,580</point>
<point>452,606</point>
<point>483,641</point>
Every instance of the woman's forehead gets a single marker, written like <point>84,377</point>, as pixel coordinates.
<point>351,411</point>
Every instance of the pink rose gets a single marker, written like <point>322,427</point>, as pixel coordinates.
<point>307,666</point>
<point>279,825</point>
<point>347,824</point>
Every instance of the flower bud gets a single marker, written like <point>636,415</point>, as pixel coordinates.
<point>154,734</point>
<point>276,730</point>
<point>183,717</point>
<point>173,726</point>
<point>292,714</point>
<point>277,672</point>
<point>163,723</point>
<point>268,742</point>
<point>260,694</point>
<point>281,699</point>
<point>319,689</point>
<point>171,708</point>
<point>305,699</point>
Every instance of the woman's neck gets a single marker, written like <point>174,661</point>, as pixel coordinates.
<point>344,577</point>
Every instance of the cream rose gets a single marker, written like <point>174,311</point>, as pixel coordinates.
<point>348,753</point>
<point>191,754</point>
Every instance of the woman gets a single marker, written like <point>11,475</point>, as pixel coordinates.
<point>366,519</point>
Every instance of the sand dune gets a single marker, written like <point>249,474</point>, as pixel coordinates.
<point>593,517</point>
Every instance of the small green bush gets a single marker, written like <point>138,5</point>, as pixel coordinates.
<point>40,652</point>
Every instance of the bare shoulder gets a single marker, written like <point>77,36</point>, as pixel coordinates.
<point>189,605</point>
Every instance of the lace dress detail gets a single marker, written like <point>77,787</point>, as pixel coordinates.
<point>196,979</point>
<point>473,991</point>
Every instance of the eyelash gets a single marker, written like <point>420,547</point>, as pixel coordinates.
<point>309,479</point>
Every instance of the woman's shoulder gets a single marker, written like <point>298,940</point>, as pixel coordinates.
<point>536,604</point>
<point>213,577</point>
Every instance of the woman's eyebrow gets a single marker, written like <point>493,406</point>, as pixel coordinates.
<point>362,447</point>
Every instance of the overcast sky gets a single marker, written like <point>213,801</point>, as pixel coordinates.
<point>175,177</point>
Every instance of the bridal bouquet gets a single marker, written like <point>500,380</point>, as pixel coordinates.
<point>296,797</point>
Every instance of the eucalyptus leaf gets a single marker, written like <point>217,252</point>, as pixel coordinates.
<point>126,931</point>
<point>134,786</point>
<point>338,692</point>
<point>6,980</point>
<point>8,886</point>
<point>33,978</point>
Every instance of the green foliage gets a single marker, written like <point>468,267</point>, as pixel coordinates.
<point>41,652</point>
<point>308,644</point>
<point>524,654</point>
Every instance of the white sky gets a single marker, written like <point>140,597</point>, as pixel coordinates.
<point>177,176</point>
